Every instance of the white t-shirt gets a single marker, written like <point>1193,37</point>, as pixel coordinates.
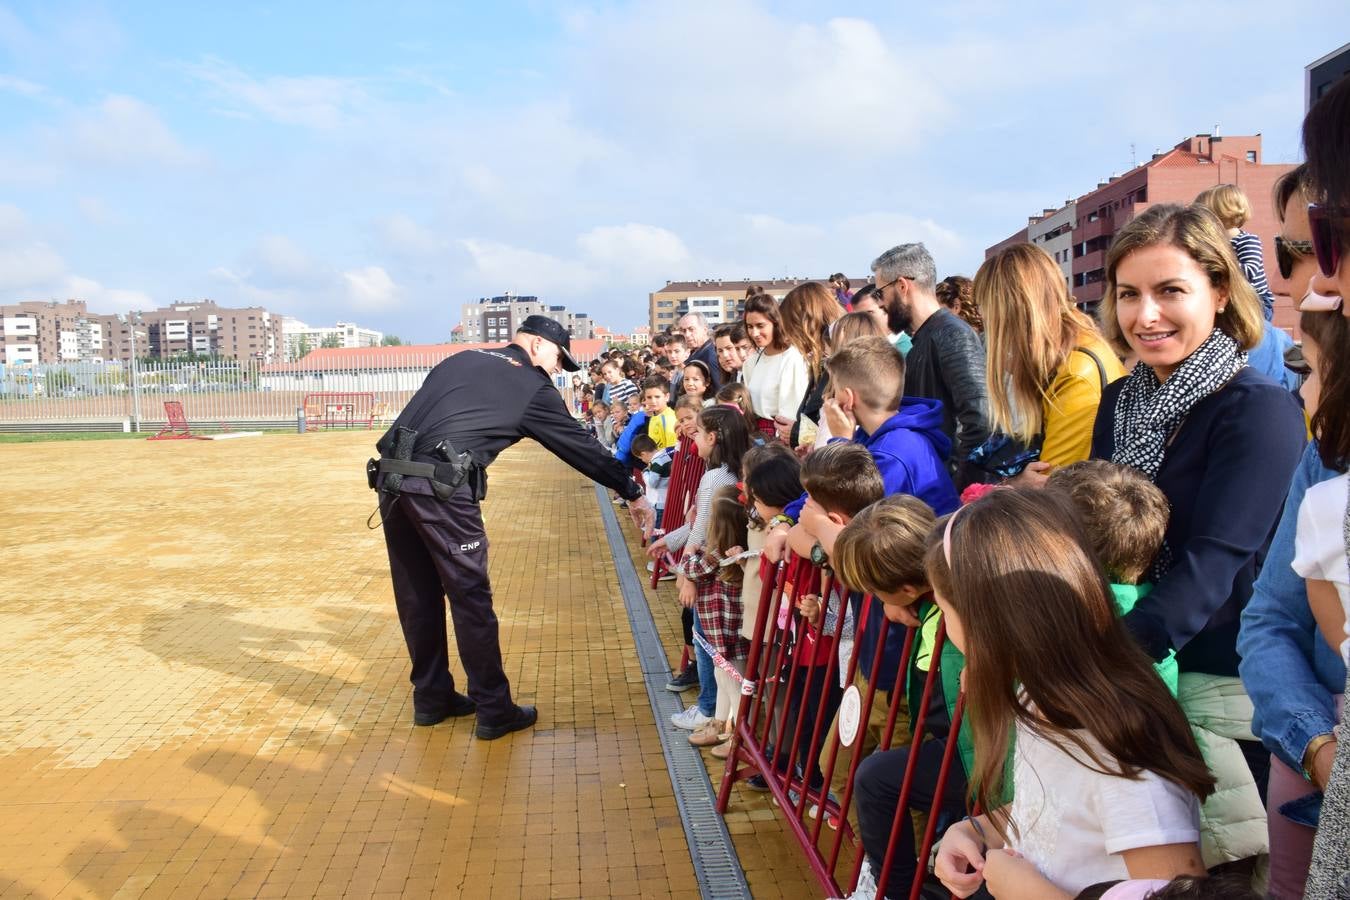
<point>1319,544</point>
<point>1074,822</point>
<point>777,383</point>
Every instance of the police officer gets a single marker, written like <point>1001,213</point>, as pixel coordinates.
<point>431,478</point>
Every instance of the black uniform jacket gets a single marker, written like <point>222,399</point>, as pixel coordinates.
<point>483,401</point>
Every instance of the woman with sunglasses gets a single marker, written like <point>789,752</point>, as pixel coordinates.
<point>1293,678</point>
<point>1221,441</point>
<point>1326,138</point>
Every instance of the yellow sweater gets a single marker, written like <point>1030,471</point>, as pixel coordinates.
<point>1071,403</point>
<point>661,428</point>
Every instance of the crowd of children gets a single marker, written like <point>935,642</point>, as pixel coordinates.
<point>1146,631</point>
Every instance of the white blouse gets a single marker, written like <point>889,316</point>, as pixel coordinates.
<point>1319,543</point>
<point>1074,822</point>
<point>777,383</point>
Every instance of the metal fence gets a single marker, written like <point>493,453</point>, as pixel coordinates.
<point>213,393</point>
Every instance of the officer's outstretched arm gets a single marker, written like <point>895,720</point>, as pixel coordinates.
<point>548,422</point>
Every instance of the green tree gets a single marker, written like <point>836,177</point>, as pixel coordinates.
<point>57,380</point>
<point>331,341</point>
<point>391,340</point>
<point>300,346</point>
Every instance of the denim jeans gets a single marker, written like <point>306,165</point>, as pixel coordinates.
<point>707,683</point>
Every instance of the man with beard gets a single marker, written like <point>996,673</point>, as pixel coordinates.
<point>946,359</point>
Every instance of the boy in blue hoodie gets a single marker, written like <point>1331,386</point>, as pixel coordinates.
<point>905,438</point>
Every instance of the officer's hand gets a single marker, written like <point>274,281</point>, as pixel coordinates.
<point>640,510</point>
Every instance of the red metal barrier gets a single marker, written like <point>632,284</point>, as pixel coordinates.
<point>685,472</point>
<point>778,690</point>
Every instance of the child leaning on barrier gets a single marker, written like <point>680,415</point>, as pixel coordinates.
<point>721,440</point>
<point>1125,517</point>
<point>656,463</point>
<point>717,605</point>
<point>600,424</point>
<point>905,439</point>
<point>881,552</point>
<point>1106,776</point>
<point>840,480</point>
<point>660,417</point>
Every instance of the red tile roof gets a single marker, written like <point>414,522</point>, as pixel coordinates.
<point>410,356</point>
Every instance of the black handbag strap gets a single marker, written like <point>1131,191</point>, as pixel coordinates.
<point>1101,369</point>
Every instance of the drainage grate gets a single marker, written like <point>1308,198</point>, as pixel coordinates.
<point>716,865</point>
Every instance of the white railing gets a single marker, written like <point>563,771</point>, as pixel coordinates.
<point>214,392</point>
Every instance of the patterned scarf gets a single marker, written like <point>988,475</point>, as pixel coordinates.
<point>1149,411</point>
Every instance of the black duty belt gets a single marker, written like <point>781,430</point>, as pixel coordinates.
<point>387,473</point>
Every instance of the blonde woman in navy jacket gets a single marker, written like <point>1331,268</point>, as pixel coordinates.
<point>1221,441</point>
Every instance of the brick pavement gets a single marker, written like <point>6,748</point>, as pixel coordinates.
<point>207,689</point>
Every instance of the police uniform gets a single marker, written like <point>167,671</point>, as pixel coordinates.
<point>472,406</point>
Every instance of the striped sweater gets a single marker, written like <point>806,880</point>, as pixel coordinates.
<point>1247,246</point>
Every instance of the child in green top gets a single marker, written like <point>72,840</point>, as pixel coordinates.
<point>1125,517</point>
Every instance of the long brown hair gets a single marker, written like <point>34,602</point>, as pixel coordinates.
<point>767,307</point>
<point>728,525</point>
<point>1031,327</point>
<point>1045,649</point>
<point>807,311</point>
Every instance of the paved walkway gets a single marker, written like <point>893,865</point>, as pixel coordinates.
<point>206,691</point>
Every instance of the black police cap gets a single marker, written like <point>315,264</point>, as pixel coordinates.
<point>550,330</point>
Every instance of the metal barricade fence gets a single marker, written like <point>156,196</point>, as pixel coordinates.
<point>685,472</point>
<point>782,699</point>
<point>116,394</point>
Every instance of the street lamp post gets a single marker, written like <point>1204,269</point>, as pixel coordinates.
<point>135,380</point>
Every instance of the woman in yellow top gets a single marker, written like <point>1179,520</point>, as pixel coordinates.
<point>1046,363</point>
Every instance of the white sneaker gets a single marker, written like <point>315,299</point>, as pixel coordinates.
<point>651,565</point>
<point>691,719</point>
<point>867,884</point>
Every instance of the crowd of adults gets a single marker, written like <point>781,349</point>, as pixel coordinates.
<point>1062,430</point>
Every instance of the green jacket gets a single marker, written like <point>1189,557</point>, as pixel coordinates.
<point>1127,595</point>
<point>950,664</point>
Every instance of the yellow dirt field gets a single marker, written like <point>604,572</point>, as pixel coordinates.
<point>206,688</point>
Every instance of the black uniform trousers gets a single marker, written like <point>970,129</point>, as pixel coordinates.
<point>438,549</point>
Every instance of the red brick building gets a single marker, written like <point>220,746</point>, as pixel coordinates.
<point>1175,176</point>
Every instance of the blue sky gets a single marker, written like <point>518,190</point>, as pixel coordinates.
<point>385,163</point>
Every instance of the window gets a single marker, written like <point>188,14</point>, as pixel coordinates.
<point>1092,216</point>
<point>1251,156</point>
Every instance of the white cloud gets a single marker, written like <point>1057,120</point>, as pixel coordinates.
<point>311,101</point>
<point>405,236</point>
<point>13,222</point>
<point>370,289</point>
<point>104,299</point>
<point>121,130</point>
<point>29,267</point>
<point>716,72</point>
<point>96,212</point>
<point>277,260</point>
<point>21,86</point>
<point>634,248</point>
<point>502,267</point>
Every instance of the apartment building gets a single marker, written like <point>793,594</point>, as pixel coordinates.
<point>493,319</point>
<point>205,327</point>
<point>48,331</point>
<point>1091,222</point>
<point>299,336</point>
<point>719,301</point>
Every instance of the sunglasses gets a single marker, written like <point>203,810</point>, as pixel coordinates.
<point>1328,240</point>
<point>1288,251</point>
